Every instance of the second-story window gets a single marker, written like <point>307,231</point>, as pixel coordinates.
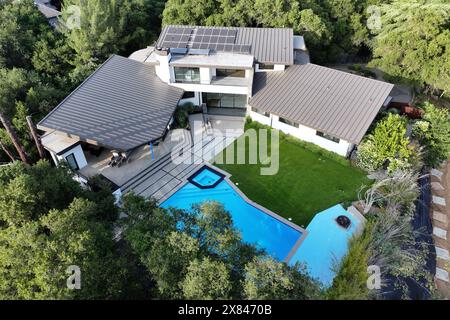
<point>288,122</point>
<point>230,73</point>
<point>187,75</point>
<point>263,66</point>
<point>328,136</point>
<point>261,112</point>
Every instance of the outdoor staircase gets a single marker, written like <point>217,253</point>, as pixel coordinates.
<point>134,182</point>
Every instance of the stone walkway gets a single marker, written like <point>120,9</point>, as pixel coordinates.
<point>440,211</point>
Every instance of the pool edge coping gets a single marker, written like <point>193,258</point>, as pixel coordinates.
<point>304,232</point>
<point>227,175</point>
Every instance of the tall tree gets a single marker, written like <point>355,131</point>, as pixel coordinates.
<point>198,254</point>
<point>21,26</point>
<point>413,43</point>
<point>48,223</point>
<point>266,278</point>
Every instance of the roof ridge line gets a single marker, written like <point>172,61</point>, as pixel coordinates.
<point>352,74</point>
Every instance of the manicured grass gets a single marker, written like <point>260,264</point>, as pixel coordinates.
<point>309,180</point>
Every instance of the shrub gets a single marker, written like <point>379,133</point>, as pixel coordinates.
<point>393,110</point>
<point>188,107</point>
<point>434,133</point>
<point>350,282</point>
<point>388,146</point>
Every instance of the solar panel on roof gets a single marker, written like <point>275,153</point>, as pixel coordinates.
<point>229,40</point>
<point>179,50</point>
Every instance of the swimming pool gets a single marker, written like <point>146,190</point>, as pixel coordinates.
<point>264,230</point>
<point>326,244</point>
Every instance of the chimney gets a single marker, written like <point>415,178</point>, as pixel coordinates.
<point>163,69</point>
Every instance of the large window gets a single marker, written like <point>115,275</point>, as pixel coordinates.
<point>72,161</point>
<point>187,75</point>
<point>289,122</point>
<point>188,95</point>
<point>230,73</point>
<point>223,100</point>
<point>327,136</point>
<point>263,66</point>
<point>266,114</point>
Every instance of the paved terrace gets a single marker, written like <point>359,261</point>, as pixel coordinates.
<point>169,173</point>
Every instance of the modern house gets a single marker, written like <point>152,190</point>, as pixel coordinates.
<point>118,123</point>
<point>125,108</point>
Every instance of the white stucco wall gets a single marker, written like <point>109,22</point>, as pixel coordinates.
<point>304,133</point>
<point>259,117</point>
<point>205,75</point>
<point>78,153</point>
<point>163,71</point>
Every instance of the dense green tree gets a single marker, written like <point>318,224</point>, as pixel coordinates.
<point>434,133</point>
<point>413,44</point>
<point>14,84</point>
<point>95,29</point>
<point>331,29</point>
<point>30,192</point>
<point>192,12</point>
<point>388,146</point>
<point>52,55</point>
<point>48,223</point>
<point>206,279</point>
<point>267,279</point>
<point>21,26</point>
<point>197,254</point>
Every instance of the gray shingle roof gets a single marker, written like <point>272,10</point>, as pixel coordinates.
<point>122,105</point>
<point>268,45</point>
<point>335,102</point>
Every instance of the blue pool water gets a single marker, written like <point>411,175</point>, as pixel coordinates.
<point>206,177</point>
<point>326,244</point>
<point>256,226</point>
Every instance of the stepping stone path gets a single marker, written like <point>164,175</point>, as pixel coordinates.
<point>442,254</point>
<point>436,186</point>
<point>440,233</point>
<point>439,216</point>
<point>439,201</point>
<point>442,274</point>
<point>438,174</point>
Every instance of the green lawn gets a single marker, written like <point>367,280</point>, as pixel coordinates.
<point>309,180</point>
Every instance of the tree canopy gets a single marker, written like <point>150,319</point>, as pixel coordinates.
<point>48,223</point>
<point>413,43</point>
<point>198,254</point>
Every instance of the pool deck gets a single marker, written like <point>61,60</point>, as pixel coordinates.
<point>170,172</point>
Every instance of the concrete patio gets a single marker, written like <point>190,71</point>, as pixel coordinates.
<point>139,160</point>
<point>169,173</point>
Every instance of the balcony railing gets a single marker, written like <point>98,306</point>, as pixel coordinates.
<point>230,81</point>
